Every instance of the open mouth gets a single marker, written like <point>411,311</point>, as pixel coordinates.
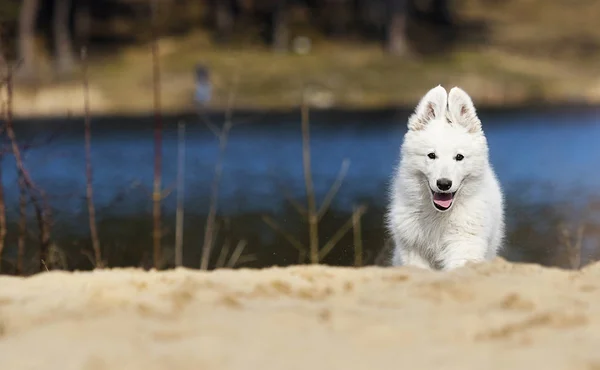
<point>442,201</point>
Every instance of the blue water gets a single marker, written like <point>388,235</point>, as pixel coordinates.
<point>541,157</point>
<point>545,161</point>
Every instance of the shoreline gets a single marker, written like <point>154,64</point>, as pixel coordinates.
<point>334,113</point>
<point>350,78</point>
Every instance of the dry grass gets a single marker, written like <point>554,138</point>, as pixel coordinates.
<point>554,29</point>
<point>313,213</point>
<point>97,260</point>
<point>343,75</point>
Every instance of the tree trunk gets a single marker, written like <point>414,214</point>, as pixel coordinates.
<point>63,44</point>
<point>441,12</point>
<point>397,43</point>
<point>223,15</point>
<point>27,20</point>
<point>83,21</point>
<point>279,26</point>
<point>339,17</point>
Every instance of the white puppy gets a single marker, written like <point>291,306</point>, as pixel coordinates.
<point>447,207</point>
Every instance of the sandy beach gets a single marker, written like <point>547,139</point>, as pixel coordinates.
<point>491,316</point>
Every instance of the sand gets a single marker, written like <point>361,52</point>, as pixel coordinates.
<point>491,316</point>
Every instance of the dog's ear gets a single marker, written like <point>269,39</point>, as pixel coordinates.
<point>462,111</point>
<point>432,106</point>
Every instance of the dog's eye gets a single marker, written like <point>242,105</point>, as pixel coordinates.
<point>459,157</point>
<point>431,155</point>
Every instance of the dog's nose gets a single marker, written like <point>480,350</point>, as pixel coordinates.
<point>444,184</point>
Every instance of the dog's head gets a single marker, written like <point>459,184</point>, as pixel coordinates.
<point>445,145</point>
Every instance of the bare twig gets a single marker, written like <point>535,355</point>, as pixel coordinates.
<point>297,206</point>
<point>334,188</point>
<point>2,212</point>
<point>211,126</point>
<point>99,263</point>
<point>157,194</point>
<point>245,259</point>
<point>215,129</point>
<point>237,252</point>
<point>58,258</point>
<point>313,217</point>
<point>223,254</point>
<point>301,257</point>
<point>313,213</point>
<point>340,233</point>
<point>44,225</point>
<point>22,225</point>
<point>214,198</point>
<point>289,237</point>
<point>169,189</point>
<point>573,247</point>
<point>2,203</point>
<point>180,196</point>
<point>42,212</point>
<point>357,233</point>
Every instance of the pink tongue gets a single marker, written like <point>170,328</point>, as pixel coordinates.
<point>442,199</point>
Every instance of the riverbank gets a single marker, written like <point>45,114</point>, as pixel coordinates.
<point>522,53</point>
<point>337,76</point>
<point>494,316</point>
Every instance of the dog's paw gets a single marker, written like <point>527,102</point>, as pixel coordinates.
<point>458,263</point>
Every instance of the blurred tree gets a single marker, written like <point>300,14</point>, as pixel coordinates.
<point>82,22</point>
<point>396,40</point>
<point>441,12</point>
<point>63,44</point>
<point>223,12</point>
<point>279,26</point>
<point>26,43</point>
<point>9,16</point>
<point>338,16</point>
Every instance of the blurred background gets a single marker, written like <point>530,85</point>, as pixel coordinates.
<point>251,133</point>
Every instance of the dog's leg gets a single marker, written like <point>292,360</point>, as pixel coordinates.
<point>410,258</point>
<point>459,253</point>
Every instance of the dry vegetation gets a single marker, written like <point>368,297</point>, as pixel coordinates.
<point>536,51</point>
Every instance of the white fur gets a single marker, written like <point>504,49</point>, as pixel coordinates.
<point>472,229</point>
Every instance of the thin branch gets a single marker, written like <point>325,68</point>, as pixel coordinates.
<point>157,194</point>
<point>573,248</point>
<point>331,243</point>
<point>180,196</point>
<point>357,233</point>
<point>289,237</point>
<point>237,252</point>
<point>42,212</point>
<point>245,259</point>
<point>22,225</point>
<point>99,263</point>
<point>2,216</point>
<point>335,187</point>
<point>214,198</point>
<point>2,209</point>
<point>313,217</point>
<point>90,257</point>
<point>223,254</point>
<point>301,257</point>
<point>215,130</point>
<point>297,206</point>
<point>168,190</point>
